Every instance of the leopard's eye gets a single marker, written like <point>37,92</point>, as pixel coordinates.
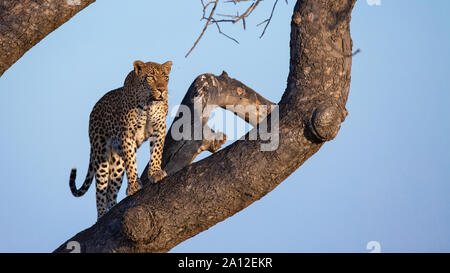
<point>150,78</point>
<point>166,78</point>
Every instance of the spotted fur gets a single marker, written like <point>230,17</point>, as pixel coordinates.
<point>119,123</point>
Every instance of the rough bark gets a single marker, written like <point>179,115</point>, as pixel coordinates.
<point>24,23</point>
<point>202,194</point>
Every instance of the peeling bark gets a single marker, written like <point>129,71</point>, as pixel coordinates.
<point>24,23</point>
<point>198,196</point>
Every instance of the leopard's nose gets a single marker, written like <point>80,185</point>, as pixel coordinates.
<point>160,92</point>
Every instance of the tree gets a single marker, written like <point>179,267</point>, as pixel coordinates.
<point>24,23</point>
<point>196,196</point>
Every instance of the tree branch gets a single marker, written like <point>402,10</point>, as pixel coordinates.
<point>212,91</point>
<point>200,195</point>
<point>24,23</point>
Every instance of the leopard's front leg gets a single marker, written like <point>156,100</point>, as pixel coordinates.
<point>128,154</point>
<point>157,138</point>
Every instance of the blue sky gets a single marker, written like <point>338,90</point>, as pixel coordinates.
<point>384,178</point>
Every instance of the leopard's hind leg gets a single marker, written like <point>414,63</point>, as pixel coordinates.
<point>116,172</point>
<point>101,177</point>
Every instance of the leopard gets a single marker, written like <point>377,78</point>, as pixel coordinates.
<point>119,123</point>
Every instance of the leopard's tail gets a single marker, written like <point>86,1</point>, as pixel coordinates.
<point>87,182</point>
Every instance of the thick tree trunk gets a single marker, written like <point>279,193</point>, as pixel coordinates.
<point>200,195</point>
<point>24,23</point>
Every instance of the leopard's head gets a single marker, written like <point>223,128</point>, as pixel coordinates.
<point>154,77</point>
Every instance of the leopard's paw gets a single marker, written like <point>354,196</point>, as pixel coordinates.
<point>157,176</point>
<point>133,188</point>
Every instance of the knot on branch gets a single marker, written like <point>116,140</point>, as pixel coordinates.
<point>216,144</point>
<point>326,121</point>
<point>213,141</point>
<point>139,225</point>
<point>224,75</point>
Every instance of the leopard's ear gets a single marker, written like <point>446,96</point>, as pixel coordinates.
<point>167,65</point>
<point>138,65</point>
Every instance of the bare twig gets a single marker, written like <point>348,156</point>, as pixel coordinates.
<point>206,25</point>
<point>230,18</point>
<point>247,13</point>
<point>267,21</point>
<point>220,31</point>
